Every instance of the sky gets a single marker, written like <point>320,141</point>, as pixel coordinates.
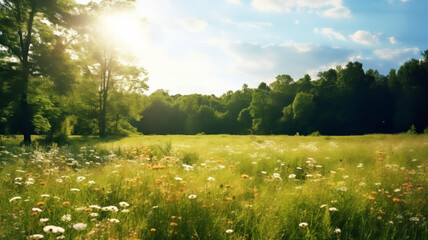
<point>213,46</point>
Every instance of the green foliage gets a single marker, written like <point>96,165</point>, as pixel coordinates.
<point>189,158</point>
<point>412,130</point>
<point>315,134</point>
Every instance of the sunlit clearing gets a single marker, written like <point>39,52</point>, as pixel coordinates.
<point>125,30</point>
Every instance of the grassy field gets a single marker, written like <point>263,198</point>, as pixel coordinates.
<point>216,187</point>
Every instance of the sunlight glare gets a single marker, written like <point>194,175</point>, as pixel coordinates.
<point>124,29</point>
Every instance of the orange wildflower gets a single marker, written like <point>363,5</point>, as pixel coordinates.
<point>66,203</point>
<point>245,176</point>
<point>39,204</point>
<point>174,224</point>
<point>158,167</point>
<point>371,198</point>
<point>153,230</point>
<point>395,199</point>
<point>158,181</point>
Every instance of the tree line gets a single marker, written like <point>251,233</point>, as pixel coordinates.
<point>342,101</point>
<point>60,75</point>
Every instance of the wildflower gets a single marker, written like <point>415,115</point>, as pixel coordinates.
<point>125,211</point>
<point>228,231</point>
<point>93,214</point>
<point>323,206</point>
<point>36,236</point>
<point>14,198</point>
<point>333,209</point>
<point>308,175</point>
<point>44,220</point>
<point>79,226</point>
<point>292,176</point>
<point>66,218</point>
<point>53,229</point>
<point>333,172</point>
<point>79,179</point>
<point>211,179</point>
<point>414,219</point>
<point>362,184</point>
<point>113,220</point>
<point>45,195</point>
<point>397,190</point>
<point>193,196</point>
<point>360,165</point>
<point>95,206</point>
<point>66,203</point>
<point>277,175</point>
<point>40,204</point>
<point>37,210</point>
<point>75,190</point>
<point>173,224</point>
<point>337,230</point>
<point>178,178</point>
<point>110,209</point>
<point>263,172</point>
<point>245,176</point>
<point>371,197</point>
<point>377,184</point>
<point>303,224</point>
<point>395,199</point>
<point>59,180</point>
<point>124,204</point>
<point>91,182</point>
<point>152,229</point>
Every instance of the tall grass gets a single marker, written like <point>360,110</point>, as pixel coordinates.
<point>218,187</point>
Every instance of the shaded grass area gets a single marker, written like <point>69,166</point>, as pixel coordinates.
<point>218,187</point>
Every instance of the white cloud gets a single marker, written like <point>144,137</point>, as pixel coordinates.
<point>392,54</point>
<point>247,24</point>
<point>337,12</point>
<point>330,33</point>
<point>268,5</point>
<point>365,37</point>
<point>392,1</point>
<point>335,8</point>
<point>193,24</point>
<point>392,40</point>
<point>301,47</point>
<point>234,1</point>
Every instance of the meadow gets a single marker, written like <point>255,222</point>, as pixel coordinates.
<point>216,187</point>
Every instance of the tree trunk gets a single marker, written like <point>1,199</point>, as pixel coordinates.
<point>117,122</point>
<point>26,113</point>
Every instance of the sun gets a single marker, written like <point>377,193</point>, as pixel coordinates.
<point>125,30</point>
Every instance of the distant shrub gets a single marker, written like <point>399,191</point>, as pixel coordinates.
<point>189,158</point>
<point>412,130</point>
<point>315,134</point>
